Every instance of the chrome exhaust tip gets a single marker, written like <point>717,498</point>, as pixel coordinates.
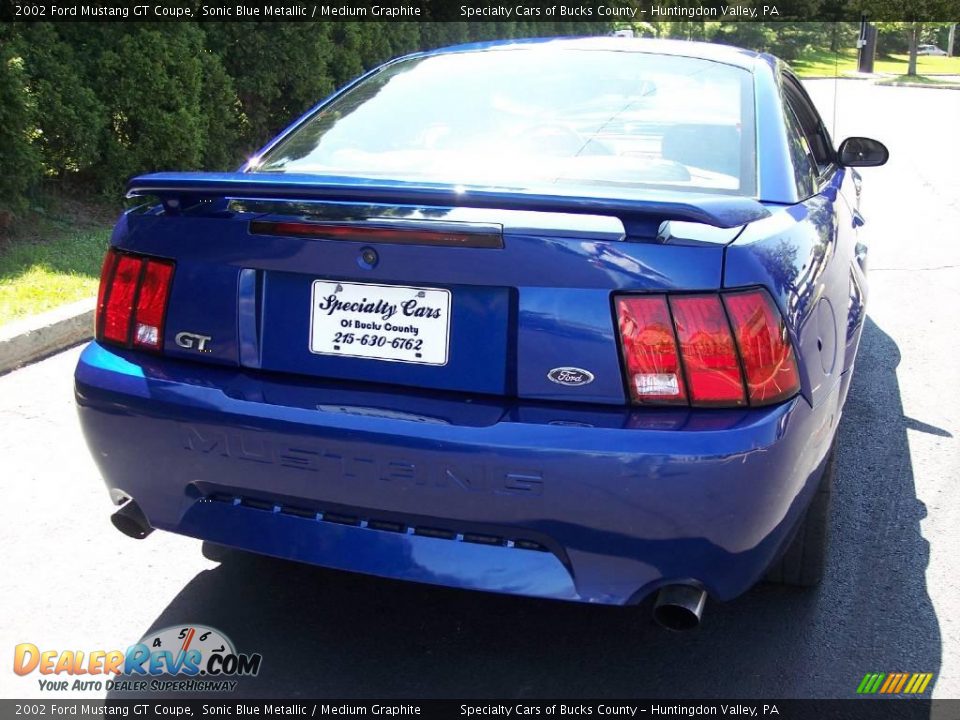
<point>679,607</point>
<point>131,521</point>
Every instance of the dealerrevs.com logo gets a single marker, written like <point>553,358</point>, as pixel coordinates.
<point>188,658</point>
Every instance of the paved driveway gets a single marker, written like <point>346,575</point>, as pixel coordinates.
<point>890,601</point>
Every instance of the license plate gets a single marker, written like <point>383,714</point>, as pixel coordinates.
<point>380,322</point>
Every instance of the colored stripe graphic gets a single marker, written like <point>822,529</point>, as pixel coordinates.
<point>892,680</point>
<point>911,684</point>
<point>918,683</point>
<point>870,683</point>
<point>894,683</point>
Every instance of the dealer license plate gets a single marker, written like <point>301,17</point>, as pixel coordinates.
<point>380,322</point>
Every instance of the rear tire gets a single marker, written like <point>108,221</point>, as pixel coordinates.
<point>215,551</point>
<point>803,563</point>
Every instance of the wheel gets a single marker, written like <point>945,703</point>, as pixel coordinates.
<point>803,562</point>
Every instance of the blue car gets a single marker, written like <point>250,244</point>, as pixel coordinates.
<point>570,319</point>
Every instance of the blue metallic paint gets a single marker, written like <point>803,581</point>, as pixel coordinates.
<point>775,178</point>
<point>622,506</point>
<point>624,500</point>
<point>476,312</point>
<point>805,255</point>
<point>216,255</point>
<point>186,189</point>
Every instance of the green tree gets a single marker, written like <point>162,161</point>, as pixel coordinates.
<point>221,112</point>
<point>151,85</point>
<point>279,70</point>
<point>94,103</point>
<point>912,17</point>
<point>68,118</point>
<point>18,157</point>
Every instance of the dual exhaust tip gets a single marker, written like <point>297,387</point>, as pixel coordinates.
<point>677,607</point>
<point>131,521</point>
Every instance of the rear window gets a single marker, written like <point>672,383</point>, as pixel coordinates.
<point>528,118</point>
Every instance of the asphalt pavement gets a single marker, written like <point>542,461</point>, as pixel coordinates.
<point>889,601</point>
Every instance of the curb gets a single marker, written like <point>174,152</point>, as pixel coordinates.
<point>36,337</point>
<point>932,86</point>
<point>835,77</point>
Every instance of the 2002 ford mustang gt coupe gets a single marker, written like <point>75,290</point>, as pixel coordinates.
<point>571,319</point>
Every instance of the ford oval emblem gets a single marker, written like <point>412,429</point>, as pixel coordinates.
<point>570,376</point>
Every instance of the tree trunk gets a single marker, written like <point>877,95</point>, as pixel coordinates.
<point>913,33</point>
<point>953,30</point>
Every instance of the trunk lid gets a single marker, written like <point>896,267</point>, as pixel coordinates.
<point>474,290</point>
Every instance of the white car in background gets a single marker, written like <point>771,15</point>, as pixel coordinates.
<point>930,50</point>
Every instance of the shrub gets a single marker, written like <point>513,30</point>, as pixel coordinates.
<point>18,157</point>
<point>151,87</point>
<point>95,103</point>
<point>68,118</point>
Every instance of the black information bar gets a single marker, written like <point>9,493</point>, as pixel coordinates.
<point>618,11</point>
<point>853,709</point>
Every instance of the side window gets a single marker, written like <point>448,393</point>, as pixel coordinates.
<point>804,167</point>
<point>821,147</point>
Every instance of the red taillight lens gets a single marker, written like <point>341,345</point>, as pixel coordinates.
<point>132,300</point>
<point>650,350</point>
<point>106,277</point>
<point>716,350</point>
<point>152,304</point>
<point>120,296</point>
<point>768,360</point>
<point>709,357</point>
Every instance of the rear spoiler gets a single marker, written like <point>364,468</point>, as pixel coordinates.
<point>182,190</point>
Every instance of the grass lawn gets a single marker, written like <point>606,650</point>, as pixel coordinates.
<point>823,63</point>
<point>45,262</point>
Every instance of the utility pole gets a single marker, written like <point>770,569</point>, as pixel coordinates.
<point>953,29</point>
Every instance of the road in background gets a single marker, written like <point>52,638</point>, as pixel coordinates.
<point>890,600</point>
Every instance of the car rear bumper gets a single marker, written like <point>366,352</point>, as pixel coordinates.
<point>592,504</point>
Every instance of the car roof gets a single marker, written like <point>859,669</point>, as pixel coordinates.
<point>726,54</point>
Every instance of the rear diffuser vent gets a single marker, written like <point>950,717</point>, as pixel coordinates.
<point>380,524</point>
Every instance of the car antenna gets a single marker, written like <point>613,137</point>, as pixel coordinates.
<point>836,81</point>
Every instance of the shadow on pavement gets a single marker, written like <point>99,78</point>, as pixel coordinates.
<point>333,634</point>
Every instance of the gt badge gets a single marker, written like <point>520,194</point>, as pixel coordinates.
<point>192,341</point>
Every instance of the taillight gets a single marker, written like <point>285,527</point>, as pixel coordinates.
<point>106,277</point>
<point>152,304</point>
<point>706,350</point>
<point>119,299</point>
<point>132,300</point>
<point>768,361</point>
<point>709,357</point>
<point>650,350</point>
